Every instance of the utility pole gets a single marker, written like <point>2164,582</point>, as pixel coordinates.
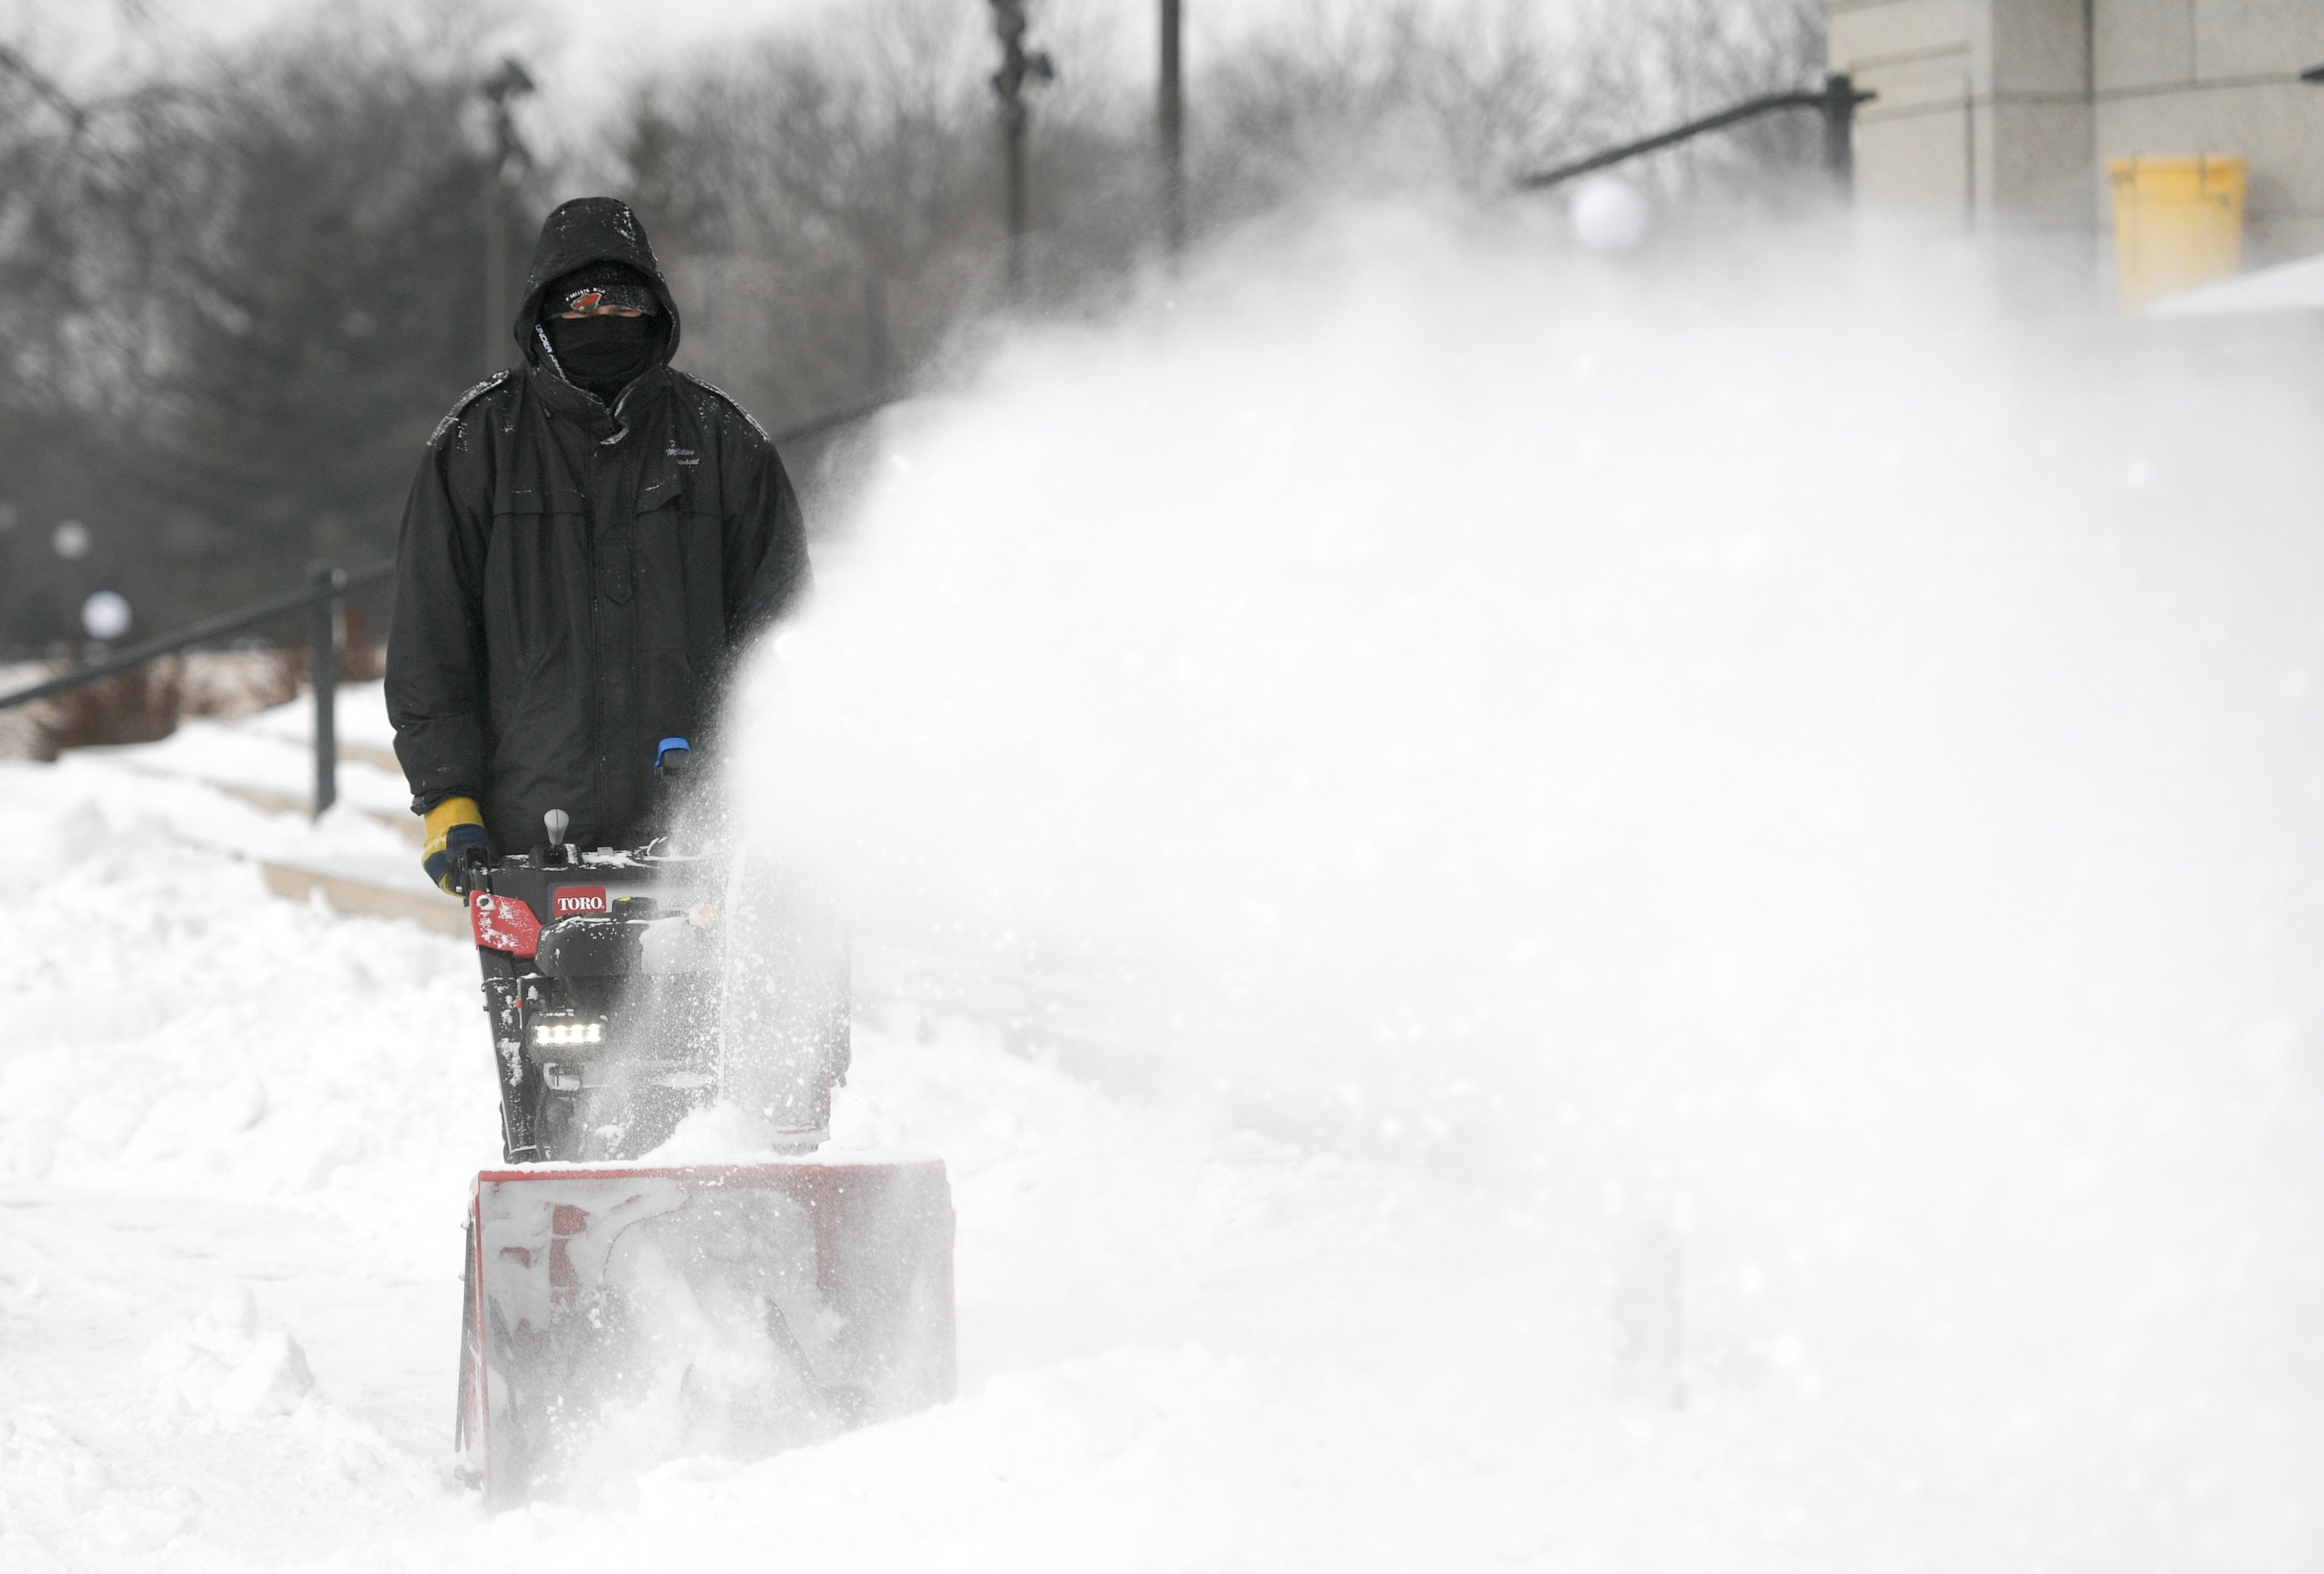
<point>1173,122</point>
<point>511,160</point>
<point>1019,64</point>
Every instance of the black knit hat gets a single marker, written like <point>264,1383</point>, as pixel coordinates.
<point>599,285</point>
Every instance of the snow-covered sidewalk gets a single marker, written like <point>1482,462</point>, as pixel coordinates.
<point>235,1135</point>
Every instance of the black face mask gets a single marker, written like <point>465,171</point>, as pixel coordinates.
<point>603,354</point>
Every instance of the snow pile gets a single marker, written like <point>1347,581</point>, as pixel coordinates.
<point>235,1251</point>
<point>723,1132</point>
<point>224,1363</point>
<point>236,1134</point>
<point>68,1498</point>
<point>169,1025</point>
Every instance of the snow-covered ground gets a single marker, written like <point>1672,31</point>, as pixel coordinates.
<point>1544,926</point>
<point>237,1134</point>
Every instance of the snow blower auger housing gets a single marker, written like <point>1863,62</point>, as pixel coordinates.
<point>621,1315</point>
<point>617,1312</point>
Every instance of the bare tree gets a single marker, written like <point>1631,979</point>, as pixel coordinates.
<point>236,297</point>
<point>81,234</point>
<point>825,195</point>
<point>831,194</point>
<point>323,305</point>
<point>1406,96</point>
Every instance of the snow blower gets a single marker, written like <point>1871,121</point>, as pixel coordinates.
<point>618,1314</point>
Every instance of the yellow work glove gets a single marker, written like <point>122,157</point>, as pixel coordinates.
<point>454,826</point>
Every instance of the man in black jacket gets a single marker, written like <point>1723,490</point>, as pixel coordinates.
<point>593,539</point>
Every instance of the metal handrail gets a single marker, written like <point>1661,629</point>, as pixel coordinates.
<point>201,634</point>
<point>292,601</point>
<point>327,588</point>
<point>1837,100</point>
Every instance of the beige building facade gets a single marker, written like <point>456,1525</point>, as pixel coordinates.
<point>2004,114</point>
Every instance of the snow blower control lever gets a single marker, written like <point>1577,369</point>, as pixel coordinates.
<point>556,853</point>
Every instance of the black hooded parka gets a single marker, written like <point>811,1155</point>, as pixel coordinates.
<point>574,582</point>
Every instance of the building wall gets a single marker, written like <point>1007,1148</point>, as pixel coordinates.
<point>2002,113</point>
<point>1918,148</point>
<point>2219,77</point>
<point>2040,120</point>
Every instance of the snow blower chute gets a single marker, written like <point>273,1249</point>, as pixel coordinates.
<point>619,1313</point>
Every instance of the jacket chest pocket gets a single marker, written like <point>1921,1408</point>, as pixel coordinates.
<point>679,578</point>
<point>616,553</point>
<point>537,582</point>
<point>621,558</point>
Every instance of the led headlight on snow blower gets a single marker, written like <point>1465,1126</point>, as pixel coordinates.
<point>558,1033</point>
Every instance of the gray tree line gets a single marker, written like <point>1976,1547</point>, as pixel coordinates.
<point>238,292</point>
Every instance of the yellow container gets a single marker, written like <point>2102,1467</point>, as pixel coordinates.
<point>2178,222</point>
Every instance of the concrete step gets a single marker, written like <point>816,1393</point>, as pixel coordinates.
<point>446,915</point>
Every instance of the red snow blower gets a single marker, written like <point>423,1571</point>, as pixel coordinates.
<point>618,1315</point>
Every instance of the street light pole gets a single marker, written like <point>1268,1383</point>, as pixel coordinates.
<point>511,159</point>
<point>1173,124</point>
<point>1836,101</point>
<point>1019,64</point>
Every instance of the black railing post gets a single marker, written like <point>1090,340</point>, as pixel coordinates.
<point>1839,100</point>
<point>326,622</point>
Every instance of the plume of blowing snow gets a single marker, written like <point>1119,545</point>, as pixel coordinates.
<point>1805,787</point>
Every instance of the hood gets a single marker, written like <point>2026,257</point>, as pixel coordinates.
<point>585,230</point>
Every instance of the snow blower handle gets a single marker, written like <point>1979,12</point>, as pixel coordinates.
<point>673,778</point>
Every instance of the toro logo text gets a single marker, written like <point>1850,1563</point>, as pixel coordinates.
<point>580,902</point>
